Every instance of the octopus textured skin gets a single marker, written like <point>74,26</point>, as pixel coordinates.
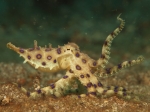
<point>77,65</point>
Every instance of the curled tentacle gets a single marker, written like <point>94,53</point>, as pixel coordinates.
<point>111,71</point>
<point>103,60</point>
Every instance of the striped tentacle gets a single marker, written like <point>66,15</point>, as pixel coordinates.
<point>103,60</point>
<point>38,93</point>
<point>115,90</point>
<point>111,71</point>
<point>57,89</point>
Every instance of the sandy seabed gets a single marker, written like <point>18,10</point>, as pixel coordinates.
<point>13,100</point>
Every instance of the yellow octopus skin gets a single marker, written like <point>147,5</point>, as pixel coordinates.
<point>77,65</point>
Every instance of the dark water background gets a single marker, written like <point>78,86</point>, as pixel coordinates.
<point>85,22</point>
